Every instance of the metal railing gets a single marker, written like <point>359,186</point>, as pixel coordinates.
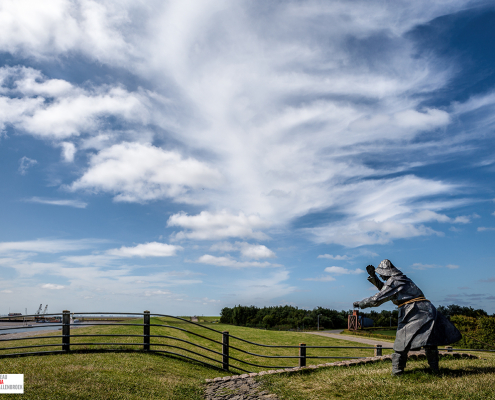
<point>221,346</point>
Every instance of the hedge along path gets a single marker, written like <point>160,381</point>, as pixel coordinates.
<point>246,387</point>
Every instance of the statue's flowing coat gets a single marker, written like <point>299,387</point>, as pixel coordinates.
<point>420,324</point>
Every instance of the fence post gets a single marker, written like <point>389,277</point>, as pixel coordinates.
<point>225,350</point>
<point>302,354</point>
<point>66,330</point>
<point>146,331</point>
<point>449,348</point>
<point>378,350</point>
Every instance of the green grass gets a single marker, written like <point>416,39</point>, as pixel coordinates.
<point>385,335</point>
<point>136,375</point>
<point>458,379</point>
<point>386,332</point>
<point>127,375</point>
<point>109,376</point>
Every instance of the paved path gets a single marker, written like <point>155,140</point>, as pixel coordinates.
<point>336,335</point>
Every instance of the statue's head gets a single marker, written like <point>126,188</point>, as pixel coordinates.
<point>386,269</point>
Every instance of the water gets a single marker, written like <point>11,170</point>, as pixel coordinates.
<point>35,327</point>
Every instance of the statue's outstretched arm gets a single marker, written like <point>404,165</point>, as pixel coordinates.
<point>385,294</point>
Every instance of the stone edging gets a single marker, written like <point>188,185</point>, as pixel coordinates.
<point>413,355</point>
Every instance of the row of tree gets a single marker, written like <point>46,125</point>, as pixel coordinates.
<point>283,317</point>
<point>289,317</point>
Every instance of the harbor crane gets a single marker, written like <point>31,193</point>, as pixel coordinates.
<point>39,309</point>
<point>44,311</point>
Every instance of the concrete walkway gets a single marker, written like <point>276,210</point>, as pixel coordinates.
<point>335,334</point>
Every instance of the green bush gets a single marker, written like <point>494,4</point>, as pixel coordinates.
<point>477,333</point>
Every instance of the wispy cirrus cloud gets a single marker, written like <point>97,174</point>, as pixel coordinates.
<point>142,250</point>
<point>58,202</point>
<point>336,257</point>
<point>325,278</point>
<point>153,249</point>
<point>25,163</point>
<point>52,286</point>
<point>343,271</point>
<point>232,263</point>
<point>422,267</point>
<point>48,246</point>
<point>245,249</point>
<point>248,113</point>
<point>485,229</point>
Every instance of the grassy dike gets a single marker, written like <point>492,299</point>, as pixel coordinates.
<point>461,379</point>
<point>126,375</point>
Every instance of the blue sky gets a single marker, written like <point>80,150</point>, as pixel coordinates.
<point>182,156</point>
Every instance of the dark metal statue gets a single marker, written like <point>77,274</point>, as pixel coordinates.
<point>420,324</point>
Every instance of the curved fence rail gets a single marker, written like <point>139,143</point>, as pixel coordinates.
<point>215,351</point>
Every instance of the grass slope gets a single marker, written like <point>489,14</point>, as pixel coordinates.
<point>125,375</point>
<point>458,379</point>
<point>137,375</point>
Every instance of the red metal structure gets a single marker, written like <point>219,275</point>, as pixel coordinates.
<point>353,321</point>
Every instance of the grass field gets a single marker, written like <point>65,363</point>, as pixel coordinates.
<point>386,332</point>
<point>462,379</point>
<point>380,334</point>
<point>127,375</point>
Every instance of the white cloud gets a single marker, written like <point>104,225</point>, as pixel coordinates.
<point>55,202</point>
<point>331,257</point>
<point>25,163</point>
<point>142,172</point>
<point>343,271</point>
<point>379,211</point>
<point>427,216</point>
<point>47,246</point>
<point>153,249</point>
<point>277,114</point>
<point>56,110</point>
<point>484,228</point>
<point>111,256</point>
<point>208,226</point>
<point>7,291</point>
<point>255,251</point>
<point>52,286</point>
<point>247,250</point>
<point>326,278</point>
<point>232,263</point>
<point>157,293</point>
<point>206,300</point>
<point>31,28</point>
<point>424,266</point>
<point>68,151</point>
<point>224,247</point>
